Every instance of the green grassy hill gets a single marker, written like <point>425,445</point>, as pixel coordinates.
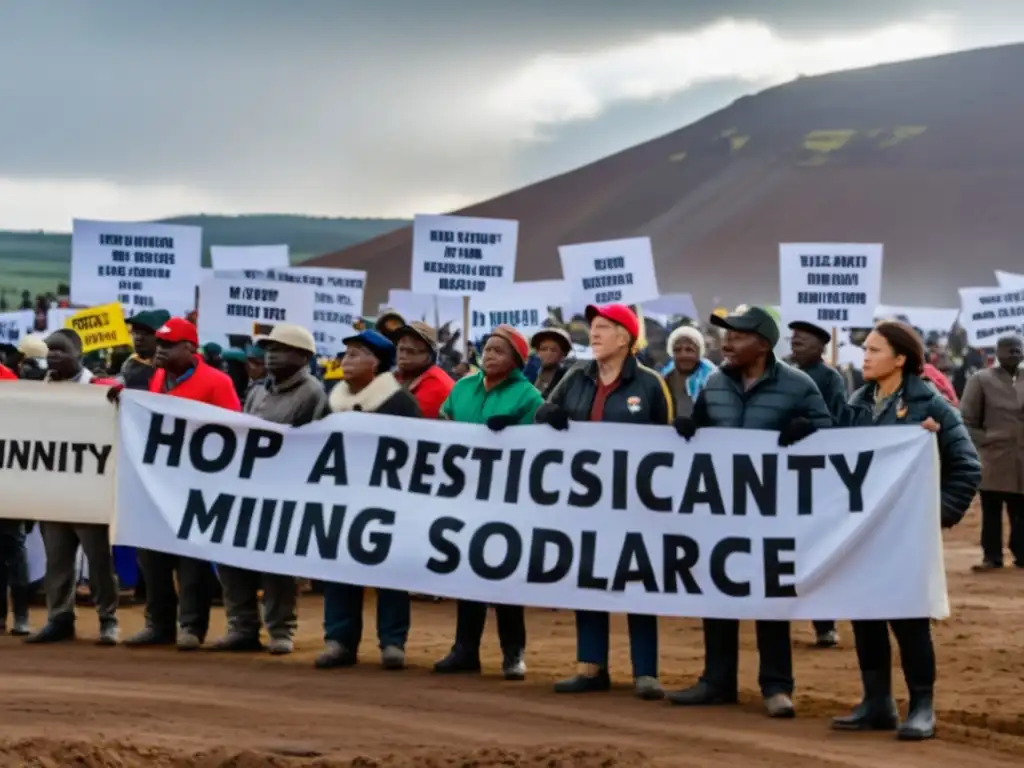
<point>39,261</point>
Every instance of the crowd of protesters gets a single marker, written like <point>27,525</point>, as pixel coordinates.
<point>725,374</point>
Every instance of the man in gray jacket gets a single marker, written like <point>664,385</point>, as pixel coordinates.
<point>290,395</point>
<point>61,540</point>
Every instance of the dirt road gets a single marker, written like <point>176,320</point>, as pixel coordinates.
<point>78,705</point>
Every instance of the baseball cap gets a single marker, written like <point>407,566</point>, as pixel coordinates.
<point>815,330</point>
<point>751,320</point>
<point>177,330</point>
<point>151,319</point>
<point>289,335</point>
<point>617,313</point>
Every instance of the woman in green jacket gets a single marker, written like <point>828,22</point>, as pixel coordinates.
<point>499,396</point>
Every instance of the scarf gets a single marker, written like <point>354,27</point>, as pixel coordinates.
<point>695,381</point>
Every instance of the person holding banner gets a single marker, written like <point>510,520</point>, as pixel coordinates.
<point>137,371</point>
<point>499,396</point>
<point>896,394</point>
<point>291,395</point>
<point>552,345</point>
<point>62,540</point>
<point>752,390</point>
<point>417,369</point>
<point>180,372</point>
<point>613,387</point>
<point>368,387</point>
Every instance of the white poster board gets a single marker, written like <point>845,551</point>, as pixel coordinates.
<point>1009,279</point>
<point>462,255</point>
<point>833,285</point>
<point>16,325</point>
<point>612,271</point>
<point>244,307</point>
<point>143,266</point>
<point>988,314</point>
<point>228,258</point>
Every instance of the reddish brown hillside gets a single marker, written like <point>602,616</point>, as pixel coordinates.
<point>925,156</point>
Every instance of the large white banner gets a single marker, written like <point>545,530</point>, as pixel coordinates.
<point>57,452</point>
<point>844,524</point>
<point>141,265</point>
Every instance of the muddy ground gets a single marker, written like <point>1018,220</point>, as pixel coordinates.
<point>79,705</point>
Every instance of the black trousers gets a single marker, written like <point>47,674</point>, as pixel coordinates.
<point>824,626</point>
<point>13,571</point>
<point>722,652</point>
<point>472,616</point>
<point>874,653</point>
<point>992,503</point>
<point>189,605</point>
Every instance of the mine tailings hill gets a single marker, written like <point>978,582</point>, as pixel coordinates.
<point>925,156</point>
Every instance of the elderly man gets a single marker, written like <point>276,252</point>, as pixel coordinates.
<point>62,540</point>
<point>290,395</point>
<point>993,412</point>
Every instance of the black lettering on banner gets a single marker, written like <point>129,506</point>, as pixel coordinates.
<point>853,479</point>
<point>330,462</point>
<point>221,460</point>
<point>645,474</point>
<point>379,542</point>
<point>245,513</point>
<point>259,444</point>
<point>680,555</point>
<point>541,462</point>
<point>156,437</point>
<point>583,477</point>
<point>702,487</point>
<point>585,578</point>
<point>620,479</point>
<point>535,571</point>
<point>487,458</point>
<point>720,553</point>
<point>422,467</point>
<point>634,551</point>
<point>775,568</point>
<point>199,515</point>
<point>457,478</point>
<point>54,456</point>
<point>267,511</point>
<point>328,535</point>
<point>284,528</point>
<point>764,487</point>
<point>514,474</point>
<point>392,454</point>
<point>804,467</point>
<point>510,559</point>
<point>445,547</point>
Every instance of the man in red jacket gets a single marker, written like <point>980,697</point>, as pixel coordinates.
<point>180,373</point>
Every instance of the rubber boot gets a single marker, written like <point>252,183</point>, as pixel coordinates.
<point>920,722</point>
<point>877,711</point>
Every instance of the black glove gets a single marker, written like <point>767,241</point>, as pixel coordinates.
<point>685,427</point>
<point>498,423</point>
<point>552,415</point>
<point>795,431</point>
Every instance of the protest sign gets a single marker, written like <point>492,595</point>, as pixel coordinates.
<point>142,266</point>
<point>525,306</point>
<point>57,317</point>
<point>620,271</point>
<point>336,296</point>
<point>925,318</point>
<point>244,308</point>
<point>100,327</point>
<point>461,255</point>
<point>436,311</point>
<point>988,314</point>
<point>57,452</point>
<point>1009,280</point>
<point>227,258</point>
<point>15,325</point>
<point>727,525</point>
<point>832,285</point>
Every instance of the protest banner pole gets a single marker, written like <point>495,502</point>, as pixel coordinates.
<point>834,355</point>
<point>465,328</point>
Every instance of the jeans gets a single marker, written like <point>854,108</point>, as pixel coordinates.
<point>722,651</point>
<point>343,616</point>
<point>992,503</point>
<point>592,641</point>
<point>13,570</point>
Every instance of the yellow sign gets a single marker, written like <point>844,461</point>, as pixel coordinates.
<point>332,369</point>
<point>100,327</point>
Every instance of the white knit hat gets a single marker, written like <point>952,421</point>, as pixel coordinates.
<point>687,332</point>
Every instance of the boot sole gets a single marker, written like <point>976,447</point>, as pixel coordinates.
<point>863,728</point>
<point>901,736</point>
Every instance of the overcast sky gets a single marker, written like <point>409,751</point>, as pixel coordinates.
<point>139,109</point>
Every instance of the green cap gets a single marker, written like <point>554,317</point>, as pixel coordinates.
<point>751,320</point>
<point>253,352</point>
<point>152,319</point>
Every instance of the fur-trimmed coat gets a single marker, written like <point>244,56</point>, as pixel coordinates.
<point>382,395</point>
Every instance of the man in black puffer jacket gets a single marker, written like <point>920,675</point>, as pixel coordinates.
<point>752,390</point>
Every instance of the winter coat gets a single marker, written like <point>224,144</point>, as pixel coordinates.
<point>431,388</point>
<point>782,394</point>
<point>382,395</point>
<point>642,397</point>
<point>960,472</point>
<point>471,403</point>
<point>832,386</point>
<point>296,401</point>
<point>993,412</point>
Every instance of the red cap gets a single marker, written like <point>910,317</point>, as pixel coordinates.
<point>515,339</point>
<point>617,313</point>
<point>176,330</point>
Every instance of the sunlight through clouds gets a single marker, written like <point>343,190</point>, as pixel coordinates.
<point>556,88</point>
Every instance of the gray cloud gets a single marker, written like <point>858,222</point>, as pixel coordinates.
<point>342,107</point>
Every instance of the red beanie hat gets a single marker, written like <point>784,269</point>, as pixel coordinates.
<point>515,339</point>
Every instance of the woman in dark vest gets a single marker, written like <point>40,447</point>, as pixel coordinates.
<point>895,393</point>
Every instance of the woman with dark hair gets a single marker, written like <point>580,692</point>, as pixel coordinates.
<point>896,394</point>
